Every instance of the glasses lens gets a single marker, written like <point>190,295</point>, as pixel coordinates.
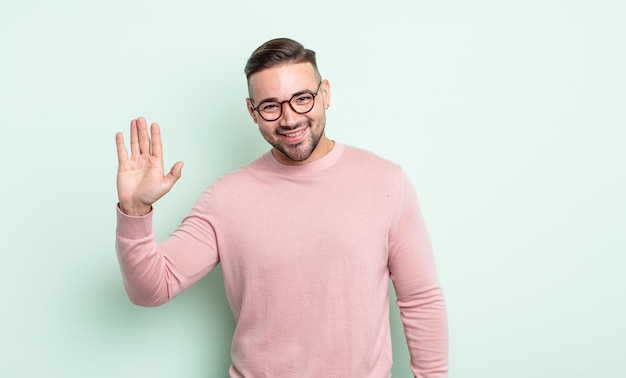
<point>302,103</point>
<point>270,110</point>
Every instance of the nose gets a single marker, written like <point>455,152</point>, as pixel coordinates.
<point>289,116</point>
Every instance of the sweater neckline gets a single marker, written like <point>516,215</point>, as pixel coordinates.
<point>317,166</point>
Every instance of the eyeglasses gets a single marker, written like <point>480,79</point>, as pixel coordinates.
<point>301,103</point>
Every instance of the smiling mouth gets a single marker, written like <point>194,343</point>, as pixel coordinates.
<point>294,134</point>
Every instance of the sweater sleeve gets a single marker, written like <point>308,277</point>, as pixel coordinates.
<point>419,296</point>
<point>154,273</point>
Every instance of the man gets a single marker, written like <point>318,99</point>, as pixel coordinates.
<point>308,236</point>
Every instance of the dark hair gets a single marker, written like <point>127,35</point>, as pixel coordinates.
<point>276,52</point>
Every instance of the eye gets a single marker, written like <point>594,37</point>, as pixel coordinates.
<point>269,107</point>
<point>303,98</point>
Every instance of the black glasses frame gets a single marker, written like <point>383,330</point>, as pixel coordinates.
<point>280,114</point>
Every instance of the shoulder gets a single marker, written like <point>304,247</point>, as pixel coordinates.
<point>242,176</point>
<point>362,159</point>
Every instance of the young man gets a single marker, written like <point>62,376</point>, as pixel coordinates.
<point>308,236</point>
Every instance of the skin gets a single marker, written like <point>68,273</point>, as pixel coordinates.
<point>296,139</point>
<point>140,177</point>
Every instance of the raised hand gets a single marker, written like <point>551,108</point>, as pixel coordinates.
<point>141,180</point>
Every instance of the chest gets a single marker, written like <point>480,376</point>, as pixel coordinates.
<point>301,227</point>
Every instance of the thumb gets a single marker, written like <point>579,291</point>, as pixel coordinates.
<point>175,172</point>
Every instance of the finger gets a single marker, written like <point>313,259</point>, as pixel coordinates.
<point>142,134</point>
<point>122,154</point>
<point>157,144</point>
<point>175,172</point>
<point>134,142</point>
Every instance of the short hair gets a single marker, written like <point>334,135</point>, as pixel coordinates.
<point>277,52</point>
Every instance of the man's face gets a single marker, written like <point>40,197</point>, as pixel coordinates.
<point>297,138</point>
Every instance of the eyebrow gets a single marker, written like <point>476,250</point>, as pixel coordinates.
<point>295,94</point>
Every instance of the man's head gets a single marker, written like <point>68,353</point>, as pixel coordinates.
<point>288,100</point>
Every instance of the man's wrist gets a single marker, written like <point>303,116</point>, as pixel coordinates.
<point>135,211</point>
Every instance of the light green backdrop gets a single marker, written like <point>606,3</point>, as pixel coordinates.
<point>509,117</point>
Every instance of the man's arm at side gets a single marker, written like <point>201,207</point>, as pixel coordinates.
<point>419,295</point>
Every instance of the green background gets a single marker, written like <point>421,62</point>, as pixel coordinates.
<point>508,116</point>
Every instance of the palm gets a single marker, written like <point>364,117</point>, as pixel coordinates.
<point>140,178</point>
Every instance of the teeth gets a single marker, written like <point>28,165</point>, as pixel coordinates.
<point>294,134</point>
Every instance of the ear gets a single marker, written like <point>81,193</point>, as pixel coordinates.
<point>326,93</point>
<point>251,110</point>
